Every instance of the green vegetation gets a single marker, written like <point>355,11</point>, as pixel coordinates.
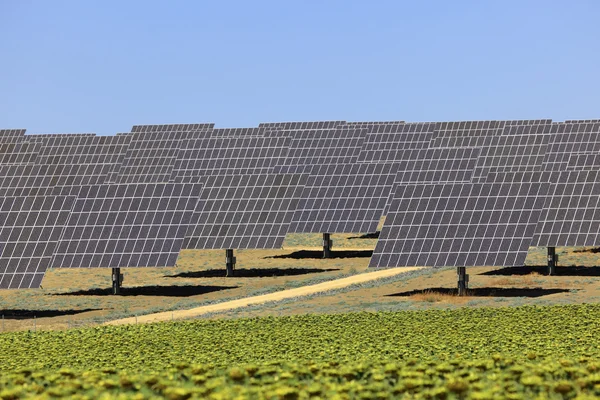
<point>517,353</point>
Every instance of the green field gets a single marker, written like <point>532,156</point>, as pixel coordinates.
<point>517,353</point>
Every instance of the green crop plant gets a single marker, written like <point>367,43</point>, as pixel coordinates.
<point>514,353</point>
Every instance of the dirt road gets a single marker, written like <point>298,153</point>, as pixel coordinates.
<point>284,294</point>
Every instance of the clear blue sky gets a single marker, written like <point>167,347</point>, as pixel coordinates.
<point>103,66</point>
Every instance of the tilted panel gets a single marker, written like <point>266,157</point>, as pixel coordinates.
<point>387,145</point>
<point>172,127</point>
<point>571,216</point>
<point>151,156</point>
<point>30,228</point>
<point>321,147</point>
<point>127,225</point>
<point>460,224</point>
<point>344,198</point>
<point>18,153</point>
<point>11,135</point>
<point>437,165</point>
<point>518,149</point>
<point>229,155</point>
<point>244,211</point>
<point>301,125</point>
<point>570,139</point>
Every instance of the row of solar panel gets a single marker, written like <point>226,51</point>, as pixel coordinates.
<point>135,218</point>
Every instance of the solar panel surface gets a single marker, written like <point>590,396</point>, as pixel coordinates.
<point>460,224</point>
<point>244,211</point>
<point>127,225</point>
<point>30,227</point>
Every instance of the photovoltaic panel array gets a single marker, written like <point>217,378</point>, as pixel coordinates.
<point>18,153</point>
<point>172,127</point>
<point>229,155</point>
<point>572,214</point>
<point>309,148</point>
<point>344,198</point>
<point>518,149</point>
<point>151,156</point>
<point>301,125</point>
<point>11,135</point>
<point>244,211</point>
<point>570,139</point>
<point>127,225</point>
<point>388,143</point>
<point>30,228</point>
<point>63,163</point>
<point>461,224</point>
<point>437,165</point>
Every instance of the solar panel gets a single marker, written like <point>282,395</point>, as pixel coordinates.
<point>29,231</point>
<point>344,198</point>
<point>301,125</point>
<point>519,148</point>
<point>11,135</point>
<point>244,211</point>
<point>172,127</point>
<point>581,121</point>
<point>587,161</point>
<point>371,124</point>
<point>572,214</point>
<point>66,161</point>
<point>229,155</point>
<point>387,143</point>
<point>437,165</point>
<point>151,156</point>
<point>568,140</point>
<point>321,147</point>
<point>18,153</point>
<point>220,132</point>
<point>127,225</point>
<point>460,224</point>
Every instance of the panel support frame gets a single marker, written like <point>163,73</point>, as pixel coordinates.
<point>229,263</point>
<point>327,245</point>
<point>463,281</point>
<point>117,281</point>
<point>552,260</point>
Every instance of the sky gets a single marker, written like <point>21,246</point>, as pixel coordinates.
<point>103,66</point>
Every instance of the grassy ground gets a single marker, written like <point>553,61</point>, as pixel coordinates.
<point>576,281</point>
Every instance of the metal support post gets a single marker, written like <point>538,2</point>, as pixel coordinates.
<point>229,261</point>
<point>327,244</point>
<point>552,260</point>
<point>463,281</point>
<point>117,280</point>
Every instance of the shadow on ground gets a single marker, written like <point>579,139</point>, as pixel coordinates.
<point>592,250</point>
<point>169,291</point>
<point>485,292</point>
<point>251,273</point>
<point>373,235</point>
<point>543,270</point>
<point>27,314</point>
<point>316,254</point>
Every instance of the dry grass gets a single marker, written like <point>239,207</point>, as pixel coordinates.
<point>519,280</point>
<point>431,296</point>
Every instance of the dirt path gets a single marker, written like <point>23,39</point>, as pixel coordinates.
<point>284,294</point>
